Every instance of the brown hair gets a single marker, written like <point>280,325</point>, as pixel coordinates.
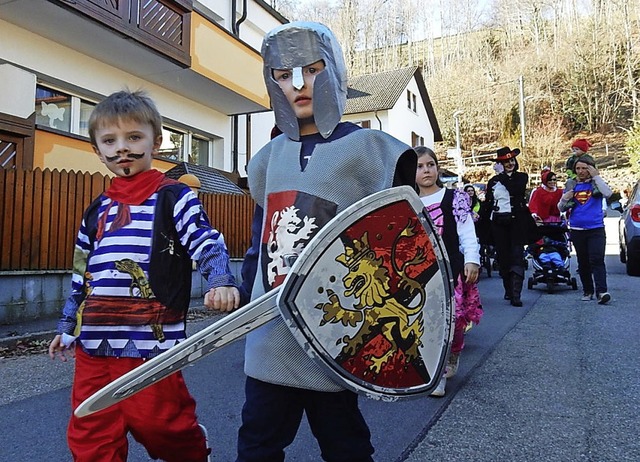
<point>422,151</point>
<point>129,105</point>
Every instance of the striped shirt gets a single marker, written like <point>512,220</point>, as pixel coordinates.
<point>112,274</point>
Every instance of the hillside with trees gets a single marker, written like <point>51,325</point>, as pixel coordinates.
<point>571,66</point>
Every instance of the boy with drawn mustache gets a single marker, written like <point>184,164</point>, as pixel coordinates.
<point>131,287</point>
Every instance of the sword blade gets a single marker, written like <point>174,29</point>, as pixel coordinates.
<point>219,334</point>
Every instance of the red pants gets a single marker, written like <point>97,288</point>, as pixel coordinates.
<point>161,417</point>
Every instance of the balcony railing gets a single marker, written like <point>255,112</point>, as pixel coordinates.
<point>162,25</point>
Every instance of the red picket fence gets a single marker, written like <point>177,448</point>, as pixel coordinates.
<point>40,212</point>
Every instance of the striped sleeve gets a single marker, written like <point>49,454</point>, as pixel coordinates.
<point>68,321</point>
<point>204,243</point>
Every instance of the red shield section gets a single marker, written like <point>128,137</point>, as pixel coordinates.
<point>373,302</point>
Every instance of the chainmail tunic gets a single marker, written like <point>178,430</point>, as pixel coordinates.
<point>342,172</point>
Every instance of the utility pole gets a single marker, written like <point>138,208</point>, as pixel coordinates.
<point>458,155</point>
<point>522,122</point>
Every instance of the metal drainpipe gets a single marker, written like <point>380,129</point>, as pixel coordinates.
<point>235,25</point>
<point>248,142</point>
<point>234,148</point>
<point>378,118</point>
<point>233,16</point>
<point>235,28</point>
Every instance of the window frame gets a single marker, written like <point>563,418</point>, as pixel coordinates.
<point>75,110</point>
<point>188,135</point>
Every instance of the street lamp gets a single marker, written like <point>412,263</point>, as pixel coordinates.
<point>521,100</point>
<point>458,155</point>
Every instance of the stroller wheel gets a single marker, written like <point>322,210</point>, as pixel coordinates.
<point>549,287</point>
<point>530,283</point>
<point>574,284</point>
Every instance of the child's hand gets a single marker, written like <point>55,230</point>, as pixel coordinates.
<point>593,172</point>
<point>59,349</point>
<point>222,299</point>
<point>471,272</point>
<point>568,195</point>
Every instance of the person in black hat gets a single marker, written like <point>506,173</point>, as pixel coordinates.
<point>505,206</point>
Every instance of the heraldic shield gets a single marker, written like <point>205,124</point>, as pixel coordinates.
<point>370,298</point>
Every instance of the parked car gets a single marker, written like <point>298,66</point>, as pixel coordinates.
<point>629,231</point>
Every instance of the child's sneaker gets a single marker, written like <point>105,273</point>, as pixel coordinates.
<point>206,440</point>
<point>452,365</point>
<point>603,298</point>
<point>439,391</point>
<point>587,297</point>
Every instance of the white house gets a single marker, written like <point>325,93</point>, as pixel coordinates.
<point>395,102</point>
<point>198,59</point>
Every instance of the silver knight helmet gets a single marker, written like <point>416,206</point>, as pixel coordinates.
<point>293,46</point>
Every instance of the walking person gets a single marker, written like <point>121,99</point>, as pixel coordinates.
<point>474,199</point>
<point>505,206</point>
<point>586,223</point>
<point>314,169</point>
<point>450,211</point>
<point>543,203</point>
<point>131,288</point>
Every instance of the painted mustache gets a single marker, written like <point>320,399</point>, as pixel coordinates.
<point>130,156</point>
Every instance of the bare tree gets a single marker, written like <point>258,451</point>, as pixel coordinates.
<point>579,60</point>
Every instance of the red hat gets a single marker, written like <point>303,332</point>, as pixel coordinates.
<point>546,173</point>
<point>506,153</point>
<point>581,144</point>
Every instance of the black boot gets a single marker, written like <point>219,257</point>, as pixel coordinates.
<point>506,283</point>
<point>516,289</point>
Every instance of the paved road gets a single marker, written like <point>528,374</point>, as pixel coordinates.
<point>553,381</point>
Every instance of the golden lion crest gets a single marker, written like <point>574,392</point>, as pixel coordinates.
<point>368,281</point>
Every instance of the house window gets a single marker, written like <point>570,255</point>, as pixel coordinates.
<point>411,101</point>
<point>61,111</point>
<point>364,123</point>
<point>416,140</point>
<point>53,109</point>
<point>85,112</point>
<point>185,146</point>
<point>199,151</point>
<point>9,150</point>
<point>172,144</point>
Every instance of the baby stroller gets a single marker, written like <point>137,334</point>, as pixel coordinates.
<point>550,257</point>
<point>488,259</point>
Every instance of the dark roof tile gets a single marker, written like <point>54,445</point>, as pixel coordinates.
<point>213,181</point>
<point>377,92</point>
